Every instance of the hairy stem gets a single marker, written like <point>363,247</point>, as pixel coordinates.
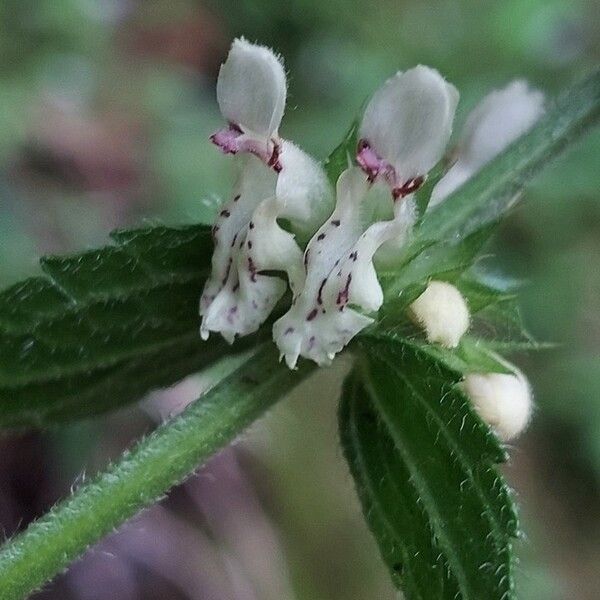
<point>144,473</point>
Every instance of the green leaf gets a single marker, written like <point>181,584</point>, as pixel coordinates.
<point>106,326</point>
<point>444,473</point>
<point>430,260</point>
<point>423,194</point>
<point>392,508</point>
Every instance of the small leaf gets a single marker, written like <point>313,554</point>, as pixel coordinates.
<point>443,260</point>
<point>423,194</point>
<point>447,456</point>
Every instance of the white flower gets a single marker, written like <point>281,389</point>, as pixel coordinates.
<point>406,127</point>
<point>275,180</point>
<point>503,401</point>
<point>404,131</point>
<point>403,134</point>
<point>497,121</point>
<point>251,92</point>
<point>443,312</point>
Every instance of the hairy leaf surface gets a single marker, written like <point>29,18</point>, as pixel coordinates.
<point>413,440</point>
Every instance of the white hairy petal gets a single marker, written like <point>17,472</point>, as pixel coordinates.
<point>300,331</point>
<point>408,121</point>
<point>246,299</point>
<point>254,183</point>
<point>251,89</point>
<point>495,123</point>
<point>303,189</point>
<point>340,275</point>
<point>405,215</point>
<point>237,299</point>
<point>503,401</point>
<point>442,311</point>
<point>272,248</point>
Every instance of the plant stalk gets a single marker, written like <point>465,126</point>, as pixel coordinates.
<point>143,474</point>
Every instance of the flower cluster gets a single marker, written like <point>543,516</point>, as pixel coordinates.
<point>352,230</point>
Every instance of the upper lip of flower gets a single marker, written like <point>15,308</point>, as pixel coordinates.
<point>251,92</point>
<point>406,127</point>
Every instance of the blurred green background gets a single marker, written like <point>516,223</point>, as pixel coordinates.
<point>105,111</point>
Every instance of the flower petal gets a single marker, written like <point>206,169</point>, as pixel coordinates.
<point>304,190</point>
<point>251,89</point>
<point>255,182</point>
<point>495,123</point>
<point>408,122</point>
<point>295,333</point>
<point>237,298</point>
<point>245,301</point>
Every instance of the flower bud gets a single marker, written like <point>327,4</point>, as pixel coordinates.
<point>496,122</point>
<point>442,311</point>
<point>503,401</point>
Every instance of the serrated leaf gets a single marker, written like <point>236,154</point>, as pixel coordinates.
<point>448,458</point>
<point>393,509</point>
<point>105,326</point>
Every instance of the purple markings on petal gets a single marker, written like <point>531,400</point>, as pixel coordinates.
<point>376,167</point>
<point>312,314</point>
<point>252,269</point>
<point>274,158</point>
<point>369,161</point>
<point>232,140</point>
<point>227,139</point>
<point>320,292</point>
<point>343,295</point>
<point>411,186</point>
<point>226,277</point>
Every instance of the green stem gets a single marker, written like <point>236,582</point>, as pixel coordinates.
<point>144,473</point>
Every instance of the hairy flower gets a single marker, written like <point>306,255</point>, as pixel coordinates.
<point>251,92</point>
<point>403,134</point>
<point>497,121</point>
<point>404,131</point>
<point>275,180</point>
